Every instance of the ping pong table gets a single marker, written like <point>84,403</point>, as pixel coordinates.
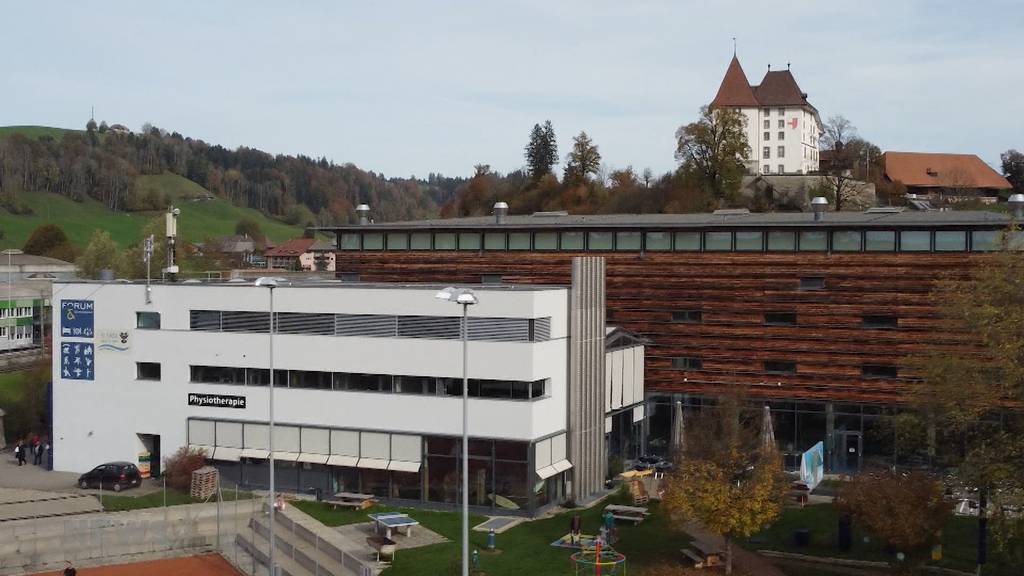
<point>389,520</point>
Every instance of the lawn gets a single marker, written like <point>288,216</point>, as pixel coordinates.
<point>125,501</point>
<point>958,541</point>
<point>525,549</point>
<point>34,132</point>
<point>10,390</point>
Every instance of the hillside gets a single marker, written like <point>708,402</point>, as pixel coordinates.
<point>198,220</point>
<point>34,132</point>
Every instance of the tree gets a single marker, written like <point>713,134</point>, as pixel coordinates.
<point>582,161</point>
<point>726,480</point>
<point>49,240</point>
<point>906,510</point>
<point>100,254</point>
<point>179,467</point>
<point>837,132</point>
<point>838,182</point>
<point>541,151</point>
<point>1013,169</point>
<point>27,413</point>
<point>249,227</point>
<point>712,149</point>
<point>103,127</point>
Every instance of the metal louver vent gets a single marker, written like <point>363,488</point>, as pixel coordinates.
<point>208,320</point>
<point>499,329</point>
<point>378,325</point>
<point>232,321</point>
<point>542,329</point>
<point>302,323</point>
<point>439,327</point>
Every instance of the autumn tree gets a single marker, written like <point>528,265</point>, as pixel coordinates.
<point>249,227</point>
<point>842,146</point>
<point>101,253</point>
<point>1013,169</point>
<point>541,151</point>
<point>582,162</point>
<point>725,478</point>
<point>905,510</point>
<point>49,240</point>
<point>712,150</point>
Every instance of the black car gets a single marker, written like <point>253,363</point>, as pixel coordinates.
<point>112,475</point>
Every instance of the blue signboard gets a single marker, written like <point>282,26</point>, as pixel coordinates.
<point>76,318</point>
<point>77,361</point>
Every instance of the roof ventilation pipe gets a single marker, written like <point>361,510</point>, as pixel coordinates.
<point>500,211</point>
<point>363,210</point>
<point>1016,203</point>
<point>818,205</point>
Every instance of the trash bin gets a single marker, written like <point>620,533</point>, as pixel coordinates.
<point>801,538</point>
<point>843,535</point>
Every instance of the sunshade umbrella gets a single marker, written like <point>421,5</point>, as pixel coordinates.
<point>679,430</point>
<point>767,431</point>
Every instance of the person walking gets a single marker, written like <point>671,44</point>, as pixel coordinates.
<point>34,445</point>
<point>19,453</point>
<point>38,458</point>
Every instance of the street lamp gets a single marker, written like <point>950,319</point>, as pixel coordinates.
<point>271,283</point>
<point>10,288</point>
<point>465,298</point>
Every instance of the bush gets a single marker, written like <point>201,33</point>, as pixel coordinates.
<point>179,467</point>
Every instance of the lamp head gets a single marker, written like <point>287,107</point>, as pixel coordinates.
<point>457,295</point>
<point>269,282</point>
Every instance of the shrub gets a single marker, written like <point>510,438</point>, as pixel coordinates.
<point>179,467</point>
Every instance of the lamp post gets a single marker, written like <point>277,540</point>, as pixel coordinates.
<point>270,283</point>
<point>10,292</point>
<point>465,298</point>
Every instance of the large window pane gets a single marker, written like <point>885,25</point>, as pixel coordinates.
<point>689,241</point>
<point>717,241</point>
<point>519,241</point>
<point>846,241</point>
<point>880,241</point>
<point>512,485</point>
<point>350,241</point>
<point>405,485</point>
<point>657,241</point>
<point>781,240</point>
<point>627,240</point>
<point>309,379</point>
<point>373,241</point>
<point>545,241</point>
<point>813,240</point>
<point>419,241</point>
<point>915,240</point>
<point>398,241</point>
<point>950,240</point>
<point>469,240</point>
<point>572,240</point>
<point>494,241</point>
<point>599,240</point>
<point>750,241</point>
<point>984,240</point>
<point>444,241</point>
<point>442,479</point>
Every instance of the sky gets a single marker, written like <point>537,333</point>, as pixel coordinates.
<point>408,88</point>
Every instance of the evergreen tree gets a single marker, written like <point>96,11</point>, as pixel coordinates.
<point>582,161</point>
<point>541,151</point>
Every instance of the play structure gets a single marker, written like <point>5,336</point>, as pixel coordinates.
<point>598,560</point>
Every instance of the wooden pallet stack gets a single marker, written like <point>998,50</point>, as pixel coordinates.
<point>204,483</point>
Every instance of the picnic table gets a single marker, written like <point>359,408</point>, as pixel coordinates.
<point>389,520</point>
<point>712,554</point>
<point>634,514</point>
<point>351,500</point>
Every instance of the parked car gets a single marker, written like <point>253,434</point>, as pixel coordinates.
<point>112,475</point>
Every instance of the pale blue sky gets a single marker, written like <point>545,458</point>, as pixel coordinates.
<point>413,87</point>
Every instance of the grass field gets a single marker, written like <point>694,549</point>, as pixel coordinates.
<point>35,132</point>
<point>526,548</point>
<point>959,539</point>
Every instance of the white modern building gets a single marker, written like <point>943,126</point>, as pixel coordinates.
<point>367,387</point>
<point>783,128</point>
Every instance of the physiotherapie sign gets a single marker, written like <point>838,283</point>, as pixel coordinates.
<point>216,400</point>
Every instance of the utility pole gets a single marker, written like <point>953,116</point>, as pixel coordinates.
<point>171,225</point>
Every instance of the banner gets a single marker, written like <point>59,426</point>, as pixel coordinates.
<point>812,465</point>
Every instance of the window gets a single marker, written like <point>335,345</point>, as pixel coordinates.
<point>780,366</point>
<point>750,241</point>
<point>766,169</point>
<point>545,241</point>
<point>599,240</point>
<point>880,241</point>
<point>687,316</point>
<point>813,240</point>
<point>880,321</point>
<point>147,320</point>
<point>658,241</point>
<point>782,124</point>
<point>767,136</point>
<point>349,276</point>
<point>878,371</point>
<point>373,241</point>
<point>782,168</point>
<point>689,241</point>
<point>766,111</point>
<point>490,278</point>
<point>718,241</point>
<point>950,241</point>
<point>494,241</point>
<point>627,240</point>
<point>782,111</point>
<point>766,152</point>
<point>519,241</point>
<point>812,283</point>
<point>915,241</point>
<point>984,240</point>
<point>218,375</point>
<point>350,241</point>
<point>444,241</point>
<point>846,241</point>
<point>398,241</point>
<point>469,240</point>
<point>779,240</point>
<point>782,151</point>
<point>419,241</point>
<point>780,318</point>
<point>767,124</point>
<point>687,363</point>
<point>572,240</point>
<point>782,135</point>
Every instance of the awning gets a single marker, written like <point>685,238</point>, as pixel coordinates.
<point>335,460</point>
<point>312,458</point>
<point>562,465</point>
<point>204,448</point>
<point>286,456</point>
<point>547,472</point>
<point>402,466</point>
<point>373,463</point>
<point>227,454</point>
<point>258,453</point>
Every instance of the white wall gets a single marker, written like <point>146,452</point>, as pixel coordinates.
<point>96,421</point>
<point>795,139</point>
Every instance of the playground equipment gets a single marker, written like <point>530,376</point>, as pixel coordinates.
<point>598,560</point>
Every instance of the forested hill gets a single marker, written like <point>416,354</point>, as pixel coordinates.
<point>104,164</point>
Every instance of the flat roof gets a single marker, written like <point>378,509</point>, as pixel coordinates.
<point>321,283</point>
<point>874,219</point>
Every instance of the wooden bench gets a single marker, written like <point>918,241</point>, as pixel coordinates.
<point>712,555</point>
<point>383,546</point>
<point>636,520</point>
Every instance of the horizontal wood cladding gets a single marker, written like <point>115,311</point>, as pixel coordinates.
<point>830,342</point>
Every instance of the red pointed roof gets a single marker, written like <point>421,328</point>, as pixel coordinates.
<point>735,89</point>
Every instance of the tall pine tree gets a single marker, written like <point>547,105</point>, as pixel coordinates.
<point>541,151</point>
